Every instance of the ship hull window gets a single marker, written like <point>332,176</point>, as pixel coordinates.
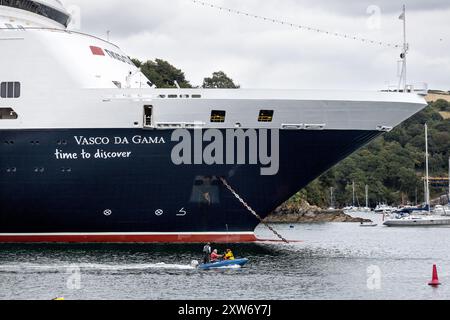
<point>10,90</point>
<point>265,116</point>
<point>16,89</point>
<point>8,114</point>
<point>218,116</point>
<point>3,90</point>
<point>40,9</point>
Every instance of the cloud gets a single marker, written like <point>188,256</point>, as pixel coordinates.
<point>201,40</point>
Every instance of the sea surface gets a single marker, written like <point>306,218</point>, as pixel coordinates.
<point>333,261</point>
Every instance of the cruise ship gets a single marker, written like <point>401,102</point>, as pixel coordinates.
<point>92,151</point>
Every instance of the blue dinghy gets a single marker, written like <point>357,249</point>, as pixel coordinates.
<point>224,264</point>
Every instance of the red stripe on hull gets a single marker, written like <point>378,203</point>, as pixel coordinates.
<point>182,238</point>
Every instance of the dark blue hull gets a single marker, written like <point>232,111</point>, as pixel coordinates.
<point>141,190</point>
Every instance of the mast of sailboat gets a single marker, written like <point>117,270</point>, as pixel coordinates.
<point>331,197</point>
<point>367,196</point>
<point>353,193</point>
<point>449,181</point>
<point>427,170</point>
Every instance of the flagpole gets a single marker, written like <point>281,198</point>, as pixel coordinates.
<point>405,45</point>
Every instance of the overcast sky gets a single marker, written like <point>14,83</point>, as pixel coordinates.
<point>257,54</point>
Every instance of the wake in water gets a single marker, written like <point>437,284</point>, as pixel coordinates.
<point>89,266</point>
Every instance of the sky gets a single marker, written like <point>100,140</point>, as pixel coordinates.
<point>201,40</point>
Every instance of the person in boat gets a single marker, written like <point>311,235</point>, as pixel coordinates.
<point>215,257</point>
<point>229,255</point>
<point>207,253</point>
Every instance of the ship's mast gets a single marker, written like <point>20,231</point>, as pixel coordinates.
<point>449,181</point>
<point>402,85</point>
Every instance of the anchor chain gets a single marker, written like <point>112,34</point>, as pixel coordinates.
<point>253,212</point>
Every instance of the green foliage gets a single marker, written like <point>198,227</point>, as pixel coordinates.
<point>393,165</point>
<point>219,80</point>
<point>162,74</point>
<point>442,105</point>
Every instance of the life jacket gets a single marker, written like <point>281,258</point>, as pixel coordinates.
<point>229,256</point>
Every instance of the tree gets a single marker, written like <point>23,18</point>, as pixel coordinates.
<point>442,105</point>
<point>219,80</point>
<point>162,74</point>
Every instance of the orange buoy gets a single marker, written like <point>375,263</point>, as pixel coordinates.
<point>435,281</point>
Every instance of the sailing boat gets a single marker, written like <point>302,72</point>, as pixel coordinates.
<point>353,207</point>
<point>367,208</point>
<point>445,210</point>
<point>420,217</point>
<point>332,207</point>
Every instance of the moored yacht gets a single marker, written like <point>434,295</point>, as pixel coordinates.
<point>419,216</point>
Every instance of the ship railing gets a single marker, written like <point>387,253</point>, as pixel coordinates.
<point>418,88</point>
<point>59,30</point>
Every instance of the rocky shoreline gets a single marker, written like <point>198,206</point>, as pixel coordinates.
<point>305,213</point>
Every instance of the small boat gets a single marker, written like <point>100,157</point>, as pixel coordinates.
<point>419,221</point>
<point>368,224</point>
<point>384,209</point>
<point>224,264</point>
<point>442,210</point>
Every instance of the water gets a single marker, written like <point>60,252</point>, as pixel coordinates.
<point>331,263</point>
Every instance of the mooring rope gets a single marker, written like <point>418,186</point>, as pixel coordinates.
<point>247,206</point>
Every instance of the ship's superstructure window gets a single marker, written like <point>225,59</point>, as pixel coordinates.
<point>148,113</point>
<point>265,116</point>
<point>8,114</point>
<point>218,116</point>
<point>38,8</point>
<point>10,89</point>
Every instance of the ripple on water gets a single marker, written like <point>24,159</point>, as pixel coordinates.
<point>331,263</point>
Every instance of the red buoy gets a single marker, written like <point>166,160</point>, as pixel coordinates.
<point>435,281</point>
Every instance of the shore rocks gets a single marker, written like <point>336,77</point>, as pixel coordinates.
<point>305,213</point>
